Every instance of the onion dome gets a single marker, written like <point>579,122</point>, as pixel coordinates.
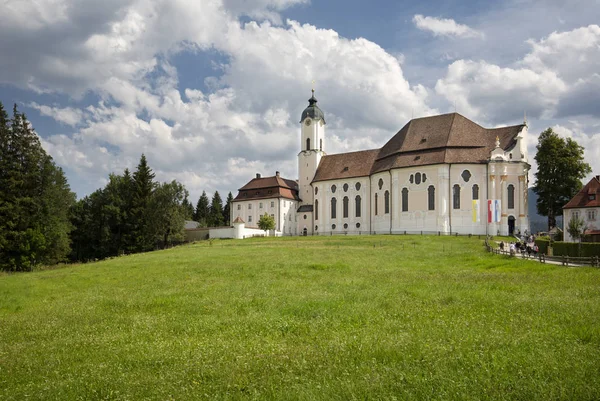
<point>313,111</point>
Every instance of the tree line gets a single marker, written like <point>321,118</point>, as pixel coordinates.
<point>41,222</point>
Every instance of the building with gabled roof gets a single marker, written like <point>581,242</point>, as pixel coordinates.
<point>441,173</point>
<point>586,206</point>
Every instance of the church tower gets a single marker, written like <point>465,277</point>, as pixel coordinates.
<point>312,140</point>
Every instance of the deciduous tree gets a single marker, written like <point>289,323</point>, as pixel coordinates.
<point>561,167</point>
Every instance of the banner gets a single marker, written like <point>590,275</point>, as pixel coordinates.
<point>476,218</point>
<point>494,210</point>
<point>497,210</point>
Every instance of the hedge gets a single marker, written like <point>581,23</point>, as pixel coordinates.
<point>572,249</point>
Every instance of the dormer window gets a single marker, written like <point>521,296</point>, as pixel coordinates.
<point>592,197</point>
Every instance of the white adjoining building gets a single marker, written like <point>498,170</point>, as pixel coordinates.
<point>439,174</point>
<point>585,206</point>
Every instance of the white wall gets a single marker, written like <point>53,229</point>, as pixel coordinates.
<point>590,216</point>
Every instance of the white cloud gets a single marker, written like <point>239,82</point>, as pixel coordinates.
<point>68,115</point>
<point>445,27</point>
<point>493,94</point>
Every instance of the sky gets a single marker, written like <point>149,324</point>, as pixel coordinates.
<point>211,91</point>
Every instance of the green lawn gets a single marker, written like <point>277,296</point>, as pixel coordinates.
<point>329,318</point>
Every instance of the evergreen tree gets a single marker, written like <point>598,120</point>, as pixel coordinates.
<point>34,200</point>
<point>167,213</point>
<point>227,210</point>
<point>202,208</point>
<point>561,167</point>
<point>188,208</point>
<point>215,218</point>
<point>143,186</point>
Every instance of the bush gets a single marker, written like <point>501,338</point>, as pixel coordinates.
<point>542,244</point>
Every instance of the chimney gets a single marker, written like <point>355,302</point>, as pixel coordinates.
<point>257,175</point>
<point>277,174</point>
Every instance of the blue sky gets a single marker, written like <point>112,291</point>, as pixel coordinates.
<point>211,91</point>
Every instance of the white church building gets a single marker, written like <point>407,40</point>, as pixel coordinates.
<point>440,174</point>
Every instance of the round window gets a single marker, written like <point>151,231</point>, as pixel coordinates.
<point>411,179</point>
<point>380,183</point>
<point>357,186</point>
<point>345,225</point>
<point>466,175</point>
<point>357,225</point>
<point>418,178</point>
<point>345,187</point>
<point>333,188</point>
<point>333,226</point>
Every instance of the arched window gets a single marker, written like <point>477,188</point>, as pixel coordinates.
<point>456,196</point>
<point>357,186</point>
<point>307,143</point>
<point>475,192</point>
<point>376,198</point>
<point>405,199</point>
<point>345,187</point>
<point>357,205</point>
<point>387,202</point>
<point>418,178</point>
<point>345,207</point>
<point>333,188</point>
<point>316,209</point>
<point>511,196</point>
<point>321,145</point>
<point>431,197</point>
<point>333,208</point>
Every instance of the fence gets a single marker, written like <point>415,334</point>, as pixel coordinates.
<point>593,261</point>
<point>395,232</point>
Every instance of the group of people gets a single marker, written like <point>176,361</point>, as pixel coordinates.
<point>522,247</point>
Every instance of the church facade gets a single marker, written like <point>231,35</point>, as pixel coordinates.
<point>440,174</point>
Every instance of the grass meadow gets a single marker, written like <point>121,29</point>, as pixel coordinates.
<point>315,318</point>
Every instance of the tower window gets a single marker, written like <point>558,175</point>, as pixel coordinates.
<point>321,145</point>
<point>307,143</point>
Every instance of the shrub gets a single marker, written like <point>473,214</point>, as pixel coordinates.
<point>572,249</point>
<point>542,244</point>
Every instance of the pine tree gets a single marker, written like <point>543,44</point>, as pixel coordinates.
<point>34,201</point>
<point>202,208</point>
<point>215,218</point>
<point>143,180</point>
<point>227,210</point>
<point>188,208</point>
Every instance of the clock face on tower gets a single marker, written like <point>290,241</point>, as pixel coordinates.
<point>307,122</point>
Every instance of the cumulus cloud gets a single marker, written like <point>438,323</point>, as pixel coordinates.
<point>445,27</point>
<point>67,115</point>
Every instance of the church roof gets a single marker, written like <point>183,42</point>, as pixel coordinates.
<point>346,165</point>
<point>445,138</point>
<point>268,187</point>
<point>589,196</point>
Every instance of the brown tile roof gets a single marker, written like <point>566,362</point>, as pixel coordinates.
<point>346,165</point>
<point>239,220</point>
<point>584,197</point>
<point>268,187</point>
<point>446,138</point>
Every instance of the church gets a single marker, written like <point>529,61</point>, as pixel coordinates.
<point>441,174</point>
